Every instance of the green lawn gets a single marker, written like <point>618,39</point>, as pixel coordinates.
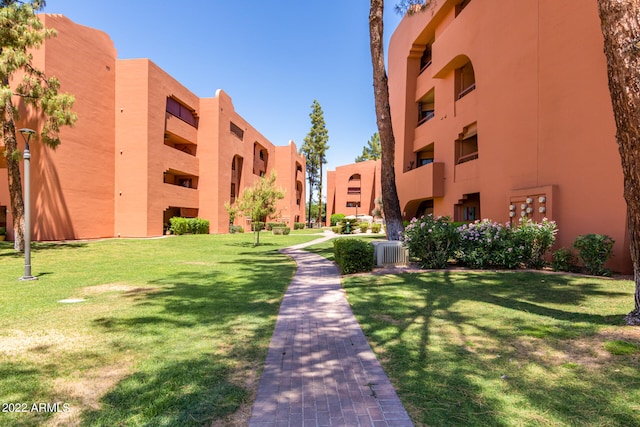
<point>171,331</point>
<point>504,348</point>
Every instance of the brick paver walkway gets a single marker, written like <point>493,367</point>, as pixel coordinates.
<point>320,370</point>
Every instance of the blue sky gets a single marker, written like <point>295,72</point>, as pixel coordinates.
<point>272,57</point>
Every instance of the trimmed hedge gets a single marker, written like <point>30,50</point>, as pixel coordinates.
<point>353,255</point>
<point>299,225</point>
<point>281,231</point>
<point>236,229</point>
<point>181,225</point>
<point>364,227</point>
<point>271,225</point>
<point>375,228</point>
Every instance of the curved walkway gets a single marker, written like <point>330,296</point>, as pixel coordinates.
<point>320,369</point>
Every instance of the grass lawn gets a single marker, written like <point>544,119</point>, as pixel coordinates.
<point>505,348</point>
<point>171,331</point>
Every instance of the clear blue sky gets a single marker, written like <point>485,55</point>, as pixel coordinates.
<point>272,57</point>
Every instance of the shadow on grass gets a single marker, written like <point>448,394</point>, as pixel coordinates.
<point>6,248</point>
<point>188,392</point>
<point>20,386</point>
<point>205,324</point>
<point>410,318</point>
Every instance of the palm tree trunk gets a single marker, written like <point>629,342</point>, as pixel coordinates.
<point>392,213</point>
<point>620,21</point>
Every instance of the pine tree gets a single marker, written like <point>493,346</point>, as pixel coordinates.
<point>315,150</point>
<point>372,150</point>
<point>21,31</point>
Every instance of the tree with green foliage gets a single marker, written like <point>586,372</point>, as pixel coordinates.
<point>315,150</point>
<point>260,201</point>
<point>393,214</point>
<point>372,151</point>
<point>20,32</point>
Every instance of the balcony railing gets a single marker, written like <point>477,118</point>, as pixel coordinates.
<point>468,89</point>
<point>426,116</point>
<point>467,158</point>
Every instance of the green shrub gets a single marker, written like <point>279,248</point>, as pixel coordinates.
<point>348,225</point>
<point>3,231</point>
<point>336,218</point>
<point>364,227</point>
<point>281,231</point>
<point>299,225</point>
<point>433,241</point>
<point>375,228</point>
<point>257,226</point>
<point>198,226</point>
<point>353,255</point>
<point>337,229</point>
<point>271,225</point>
<point>534,240</point>
<point>236,229</point>
<point>179,225</point>
<point>594,250</point>
<point>563,260</point>
<point>485,244</point>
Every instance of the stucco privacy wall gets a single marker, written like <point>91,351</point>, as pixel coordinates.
<point>144,148</point>
<point>537,119</point>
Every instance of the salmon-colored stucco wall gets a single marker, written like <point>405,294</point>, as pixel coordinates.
<point>338,184</point>
<point>128,164</point>
<point>540,109</point>
<point>72,186</point>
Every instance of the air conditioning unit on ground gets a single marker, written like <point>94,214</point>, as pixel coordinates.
<point>390,253</point>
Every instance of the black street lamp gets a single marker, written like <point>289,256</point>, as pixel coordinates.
<point>26,134</point>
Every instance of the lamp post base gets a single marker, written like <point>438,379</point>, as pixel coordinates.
<point>26,278</point>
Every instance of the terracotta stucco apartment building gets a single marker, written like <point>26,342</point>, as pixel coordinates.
<point>352,189</point>
<point>500,110</point>
<point>144,148</point>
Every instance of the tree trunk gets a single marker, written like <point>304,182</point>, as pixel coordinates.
<point>13,172</point>
<point>620,20</point>
<point>320,196</point>
<point>392,213</point>
<point>310,202</point>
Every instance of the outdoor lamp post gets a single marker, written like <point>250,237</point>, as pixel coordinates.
<point>26,134</point>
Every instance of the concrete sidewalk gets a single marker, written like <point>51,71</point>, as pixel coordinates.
<point>320,370</point>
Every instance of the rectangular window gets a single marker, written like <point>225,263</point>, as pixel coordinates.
<point>184,113</point>
<point>235,129</point>
<point>353,204</point>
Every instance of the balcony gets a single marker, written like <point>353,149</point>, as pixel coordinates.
<point>175,195</point>
<point>424,182</point>
<point>259,167</point>
<point>181,128</point>
<point>178,160</point>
